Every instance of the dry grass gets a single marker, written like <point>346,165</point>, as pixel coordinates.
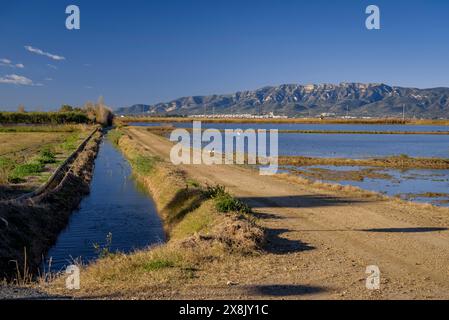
<point>20,141</point>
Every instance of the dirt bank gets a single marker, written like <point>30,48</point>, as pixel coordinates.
<point>30,226</point>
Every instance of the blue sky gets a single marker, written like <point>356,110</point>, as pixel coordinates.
<point>151,51</point>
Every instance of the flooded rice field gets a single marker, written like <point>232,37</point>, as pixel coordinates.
<point>423,185</point>
<point>419,185</point>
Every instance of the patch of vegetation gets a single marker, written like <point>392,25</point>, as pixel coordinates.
<point>224,202</point>
<point>104,251</point>
<point>71,143</point>
<point>114,136</point>
<point>198,221</point>
<point>43,117</point>
<point>18,174</point>
<point>193,183</point>
<point>143,164</point>
<point>46,156</point>
<point>158,264</point>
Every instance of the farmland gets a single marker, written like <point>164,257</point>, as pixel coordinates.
<point>29,154</point>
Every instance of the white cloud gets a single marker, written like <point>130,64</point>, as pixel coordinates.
<point>43,53</point>
<point>48,79</point>
<point>18,80</point>
<point>52,66</point>
<point>8,63</point>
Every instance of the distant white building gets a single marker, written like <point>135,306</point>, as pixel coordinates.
<point>270,115</point>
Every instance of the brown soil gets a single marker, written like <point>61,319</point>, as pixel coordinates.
<point>166,130</point>
<point>340,175</point>
<point>319,241</point>
<point>397,162</point>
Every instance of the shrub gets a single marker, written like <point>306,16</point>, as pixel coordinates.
<point>104,251</point>
<point>46,156</point>
<point>224,202</point>
<point>43,117</point>
<point>214,191</point>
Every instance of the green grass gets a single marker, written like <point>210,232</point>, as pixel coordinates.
<point>18,174</point>
<point>200,220</point>
<point>114,136</point>
<point>16,169</point>
<point>71,143</point>
<point>158,264</point>
<point>46,156</point>
<point>143,164</point>
<point>193,183</point>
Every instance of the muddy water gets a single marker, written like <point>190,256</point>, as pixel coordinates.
<point>116,205</point>
<point>417,185</point>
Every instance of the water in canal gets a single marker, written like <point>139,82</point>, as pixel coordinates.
<point>115,205</point>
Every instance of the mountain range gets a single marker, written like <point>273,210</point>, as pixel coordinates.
<point>344,99</point>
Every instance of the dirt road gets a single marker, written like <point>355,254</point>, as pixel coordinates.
<point>321,242</point>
